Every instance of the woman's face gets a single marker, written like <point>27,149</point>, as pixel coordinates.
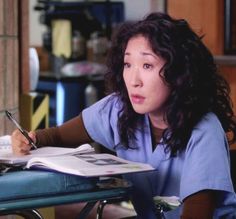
<point>147,90</point>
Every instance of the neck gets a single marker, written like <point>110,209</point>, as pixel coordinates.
<point>158,121</point>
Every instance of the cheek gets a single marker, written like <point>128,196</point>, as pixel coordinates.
<point>125,78</point>
<point>165,93</point>
<point>160,91</point>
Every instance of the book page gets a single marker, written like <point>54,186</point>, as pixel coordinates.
<point>88,164</point>
<point>5,144</point>
<point>10,158</point>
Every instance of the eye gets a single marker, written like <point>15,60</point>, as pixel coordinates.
<point>126,65</point>
<point>147,66</point>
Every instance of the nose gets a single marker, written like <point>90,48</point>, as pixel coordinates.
<point>135,79</point>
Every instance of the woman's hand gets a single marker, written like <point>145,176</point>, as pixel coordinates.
<point>20,144</point>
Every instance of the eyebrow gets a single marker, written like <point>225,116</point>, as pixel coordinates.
<point>149,54</point>
<point>145,54</point>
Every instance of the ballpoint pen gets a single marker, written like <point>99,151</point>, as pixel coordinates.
<point>10,117</point>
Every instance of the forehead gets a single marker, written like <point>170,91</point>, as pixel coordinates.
<point>139,45</point>
<point>138,40</point>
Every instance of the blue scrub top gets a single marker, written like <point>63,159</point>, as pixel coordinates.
<point>204,164</point>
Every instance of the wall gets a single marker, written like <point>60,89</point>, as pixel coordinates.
<point>9,62</point>
<point>205,17</point>
<point>36,29</point>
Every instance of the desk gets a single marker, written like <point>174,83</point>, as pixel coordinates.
<point>23,203</point>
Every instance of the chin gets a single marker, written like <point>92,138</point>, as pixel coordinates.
<point>139,111</point>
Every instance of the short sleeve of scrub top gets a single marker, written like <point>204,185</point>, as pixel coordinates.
<point>206,165</point>
<point>100,121</point>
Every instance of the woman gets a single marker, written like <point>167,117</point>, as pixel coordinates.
<point>168,107</point>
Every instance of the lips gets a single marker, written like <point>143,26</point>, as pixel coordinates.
<point>137,99</point>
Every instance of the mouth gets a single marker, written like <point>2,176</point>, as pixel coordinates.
<point>137,99</point>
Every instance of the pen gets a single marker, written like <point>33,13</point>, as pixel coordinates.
<point>10,117</point>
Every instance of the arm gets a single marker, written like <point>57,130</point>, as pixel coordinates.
<point>71,133</point>
<point>200,205</point>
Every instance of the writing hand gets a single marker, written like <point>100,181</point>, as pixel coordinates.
<point>20,144</point>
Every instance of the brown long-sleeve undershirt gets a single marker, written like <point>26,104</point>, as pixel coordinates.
<point>71,134</point>
<point>200,205</point>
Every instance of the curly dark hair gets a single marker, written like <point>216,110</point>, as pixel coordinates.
<point>196,86</point>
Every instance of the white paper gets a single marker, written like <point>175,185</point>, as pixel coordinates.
<point>5,144</point>
<point>88,164</point>
<point>5,140</point>
<point>44,152</point>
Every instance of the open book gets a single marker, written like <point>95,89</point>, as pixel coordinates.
<point>88,164</point>
<point>80,161</point>
<point>7,157</point>
<point>5,143</point>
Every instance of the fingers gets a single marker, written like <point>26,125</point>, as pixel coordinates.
<point>32,135</point>
<point>20,144</point>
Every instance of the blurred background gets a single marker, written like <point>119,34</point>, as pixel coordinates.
<point>53,52</point>
<point>52,55</point>
<point>72,39</point>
